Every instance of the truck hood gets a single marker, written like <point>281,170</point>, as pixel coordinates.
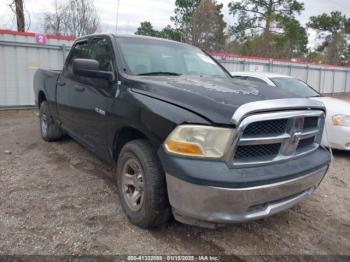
<point>214,98</point>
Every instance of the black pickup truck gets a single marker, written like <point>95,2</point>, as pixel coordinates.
<point>185,138</point>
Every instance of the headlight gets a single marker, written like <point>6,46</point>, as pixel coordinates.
<point>341,120</point>
<point>199,141</point>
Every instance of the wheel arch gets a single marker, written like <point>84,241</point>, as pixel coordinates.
<point>124,135</point>
<point>41,97</point>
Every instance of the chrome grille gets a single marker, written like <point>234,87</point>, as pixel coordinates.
<point>257,151</point>
<point>268,137</point>
<point>269,127</point>
<point>310,122</point>
<point>307,142</point>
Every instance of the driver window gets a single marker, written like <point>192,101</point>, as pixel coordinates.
<point>79,50</point>
<point>101,51</point>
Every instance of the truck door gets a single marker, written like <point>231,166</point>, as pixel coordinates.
<point>94,93</point>
<point>86,113</point>
<point>69,88</point>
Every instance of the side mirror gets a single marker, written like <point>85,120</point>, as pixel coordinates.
<point>90,68</point>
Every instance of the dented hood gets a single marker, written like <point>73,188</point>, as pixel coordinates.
<point>215,98</point>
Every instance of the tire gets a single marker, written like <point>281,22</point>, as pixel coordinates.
<point>50,131</point>
<point>152,209</point>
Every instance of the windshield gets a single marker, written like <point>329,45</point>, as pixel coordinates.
<point>144,56</point>
<point>294,86</point>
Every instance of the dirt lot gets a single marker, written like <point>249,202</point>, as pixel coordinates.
<point>57,198</point>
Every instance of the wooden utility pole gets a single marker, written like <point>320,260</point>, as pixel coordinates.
<point>20,15</point>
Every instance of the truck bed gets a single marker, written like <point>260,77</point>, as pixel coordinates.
<point>45,80</point>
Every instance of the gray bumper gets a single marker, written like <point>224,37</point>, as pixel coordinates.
<point>198,204</point>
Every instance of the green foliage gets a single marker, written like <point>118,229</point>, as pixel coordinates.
<point>333,22</point>
<point>248,47</point>
<point>263,45</point>
<point>184,10</point>
<point>315,57</point>
<point>345,57</point>
<point>293,42</point>
<point>171,33</point>
<point>220,35</point>
<point>146,29</point>
<point>208,26</point>
<point>264,28</point>
<point>268,28</point>
<point>198,23</point>
<point>255,16</point>
<point>334,48</point>
<point>347,26</point>
<point>290,44</point>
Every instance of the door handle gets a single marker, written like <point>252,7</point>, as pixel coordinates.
<point>79,88</point>
<point>60,83</point>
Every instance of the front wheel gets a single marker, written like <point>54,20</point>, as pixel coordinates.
<point>50,131</point>
<point>141,185</point>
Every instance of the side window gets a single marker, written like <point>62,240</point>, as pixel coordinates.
<point>79,50</point>
<point>101,50</point>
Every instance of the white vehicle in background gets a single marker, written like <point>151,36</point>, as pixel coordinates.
<point>338,111</point>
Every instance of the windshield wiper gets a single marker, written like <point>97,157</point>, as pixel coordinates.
<point>159,73</point>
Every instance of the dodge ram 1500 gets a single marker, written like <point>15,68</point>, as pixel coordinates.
<point>186,139</point>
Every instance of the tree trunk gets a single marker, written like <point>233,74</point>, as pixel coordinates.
<point>267,26</point>
<point>268,18</point>
<point>20,16</point>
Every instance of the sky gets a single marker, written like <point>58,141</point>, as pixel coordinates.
<point>158,12</point>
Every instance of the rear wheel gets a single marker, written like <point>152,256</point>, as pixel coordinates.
<point>141,185</point>
<point>50,131</point>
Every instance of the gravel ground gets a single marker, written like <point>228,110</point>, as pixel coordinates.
<point>57,198</point>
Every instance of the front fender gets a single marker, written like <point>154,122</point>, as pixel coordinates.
<point>154,118</point>
<point>160,118</point>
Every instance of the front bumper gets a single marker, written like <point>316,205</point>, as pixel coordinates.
<point>205,192</point>
<point>208,205</point>
<point>195,203</point>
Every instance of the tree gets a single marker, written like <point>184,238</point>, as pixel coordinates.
<point>332,28</point>
<point>190,26</point>
<point>146,29</point>
<point>293,42</point>
<point>332,23</point>
<point>207,26</point>
<point>54,22</point>
<point>256,16</point>
<point>183,15</point>
<point>269,28</point>
<point>167,32</point>
<point>170,33</point>
<point>74,17</point>
<point>263,45</point>
<point>17,8</point>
